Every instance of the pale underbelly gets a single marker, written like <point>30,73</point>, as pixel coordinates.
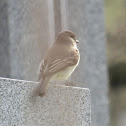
<point>63,75</point>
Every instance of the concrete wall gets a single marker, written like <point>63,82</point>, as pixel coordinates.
<point>62,106</point>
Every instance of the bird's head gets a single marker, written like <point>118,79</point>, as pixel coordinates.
<point>67,37</point>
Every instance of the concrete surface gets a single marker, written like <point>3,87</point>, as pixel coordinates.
<point>62,106</point>
<point>86,19</point>
<point>28,36</point>
<point>4,40</point>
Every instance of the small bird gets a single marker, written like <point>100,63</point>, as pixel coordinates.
<point>59,62</point>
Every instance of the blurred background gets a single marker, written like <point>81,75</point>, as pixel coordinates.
<point>27,29</point>
<point>115,22</point>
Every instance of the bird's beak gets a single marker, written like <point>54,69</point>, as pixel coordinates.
<point>77,41</point>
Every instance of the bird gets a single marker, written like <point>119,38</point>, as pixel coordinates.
<point>59,61</point>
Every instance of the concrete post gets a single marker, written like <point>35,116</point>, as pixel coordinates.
<point>29,36</point>
<point>4,40</point>
<point>86,19</point>
<point>62,106</point>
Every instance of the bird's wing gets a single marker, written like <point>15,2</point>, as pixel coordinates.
<point>60,64</point>
<point>57,65</point>
<point>42,68</point>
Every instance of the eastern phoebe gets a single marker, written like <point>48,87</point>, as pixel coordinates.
<point>59,62</point>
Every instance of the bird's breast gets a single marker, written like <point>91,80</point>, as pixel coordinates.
<point>64,74</point>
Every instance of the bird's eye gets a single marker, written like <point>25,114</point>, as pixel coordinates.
<point>77,41</point>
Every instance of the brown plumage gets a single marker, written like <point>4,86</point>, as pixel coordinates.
<point>59,62</point>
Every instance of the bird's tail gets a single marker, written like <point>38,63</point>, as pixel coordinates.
<point>42,87</point>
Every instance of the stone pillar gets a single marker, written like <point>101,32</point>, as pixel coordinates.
<point>61,106</point>
<point>86,19</point>
<point>29,36</point>
<point>4,40</point>
<point>57,16</point>
<point>51,21</point>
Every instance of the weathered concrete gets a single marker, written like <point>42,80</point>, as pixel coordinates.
<point>86,19</point>
<point>62,106</point>
<point>4,40</point>
<point>28,36</point>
